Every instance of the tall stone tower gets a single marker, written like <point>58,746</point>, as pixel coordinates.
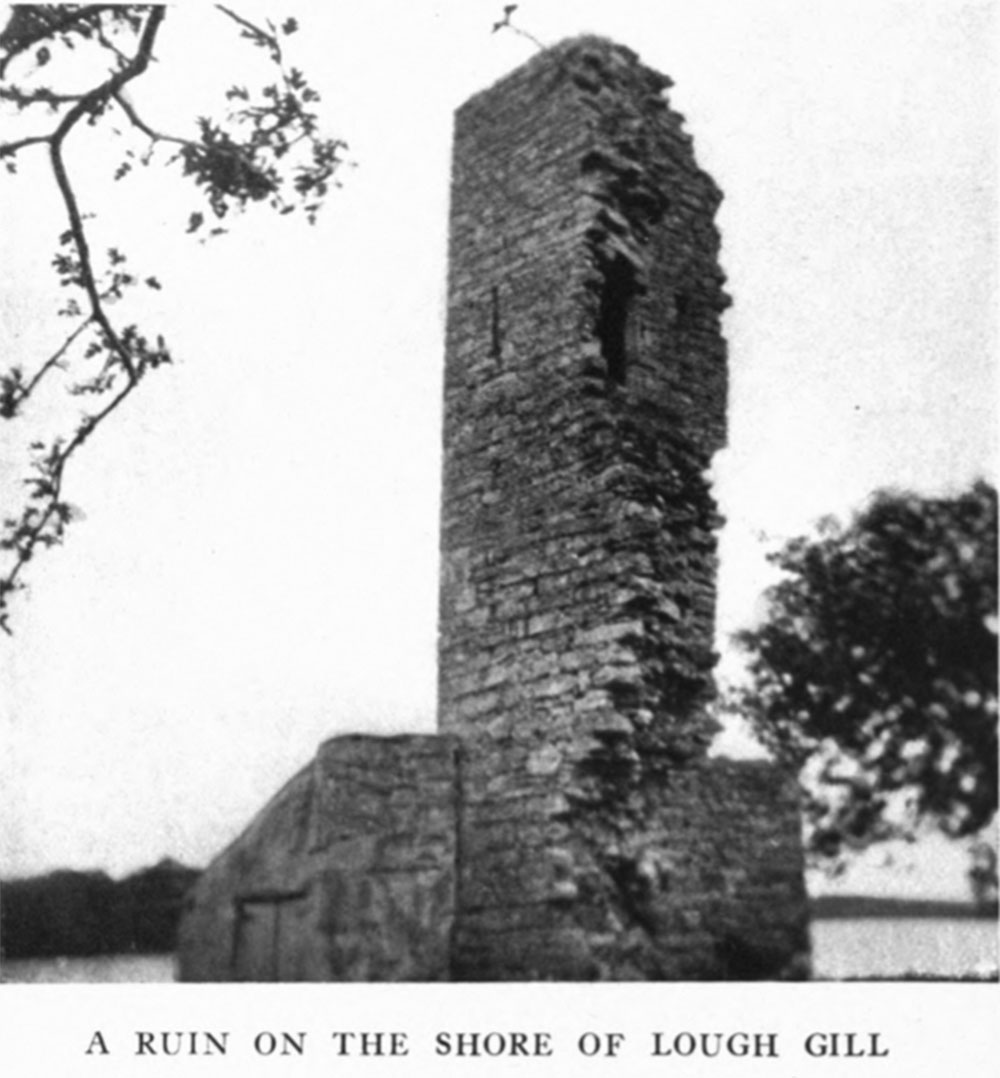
<point>567,821</point>
<point>585,394</point>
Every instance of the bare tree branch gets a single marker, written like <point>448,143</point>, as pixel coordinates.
<point>506,24</point>
<point>87,105</point>
<point>254,32</point>
<point>14,392</point>
<point>40,96</point>
<point>8,149</point>
<point>28,538</point>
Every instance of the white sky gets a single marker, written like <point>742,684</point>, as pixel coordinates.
<point>257,569</point>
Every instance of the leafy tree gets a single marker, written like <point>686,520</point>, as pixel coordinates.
<point>266,148</point>
<point>876,668</point>
<point>87,913</point>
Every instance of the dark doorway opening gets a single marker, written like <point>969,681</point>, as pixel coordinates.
<point>261,930</point>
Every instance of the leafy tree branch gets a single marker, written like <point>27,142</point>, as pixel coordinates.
<point>266,148</point>
<point>875,669</point>
<point>34,24</point>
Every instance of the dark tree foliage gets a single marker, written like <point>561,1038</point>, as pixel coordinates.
<point>265,147</point>
<point>877,663</point>
<point>88,913</point>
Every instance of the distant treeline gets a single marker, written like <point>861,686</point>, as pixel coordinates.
<point>88,913</point>
<point>830,907</point>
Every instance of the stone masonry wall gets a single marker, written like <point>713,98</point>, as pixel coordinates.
<point>725,898</point>
<point>585,394</point>
<point>348,874</point>
<point>351,873</point>
<point>568,822</point>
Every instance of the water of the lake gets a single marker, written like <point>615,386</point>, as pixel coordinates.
<point>891,947</point>
<point>134,968</point>
<point>842,948</point>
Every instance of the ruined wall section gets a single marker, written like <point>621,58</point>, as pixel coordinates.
<point>568,823</point>
<point>585,393</point>
<point>732,904</point>
<point>657,285</point>
<point>348,874</point>
<point>709,884</point>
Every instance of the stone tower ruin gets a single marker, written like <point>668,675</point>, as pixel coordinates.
<point>567,822</point>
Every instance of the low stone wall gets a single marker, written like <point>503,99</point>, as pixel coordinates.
<point>668,873</point>
<point>402,859</point>
<point>716,873</point>
<point>348,874</point>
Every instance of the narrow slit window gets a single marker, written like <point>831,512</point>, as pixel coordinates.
<point>613,317</point>
<point>496,342</point>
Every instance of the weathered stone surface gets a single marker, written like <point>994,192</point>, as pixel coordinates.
<point>583,281</point>
<point>568,823</point>
<point>578,548</point>
<point>348,874</point>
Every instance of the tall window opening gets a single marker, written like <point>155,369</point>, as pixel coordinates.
<point>617,295</point>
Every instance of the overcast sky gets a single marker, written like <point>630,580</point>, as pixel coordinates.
<point>257,569</point>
